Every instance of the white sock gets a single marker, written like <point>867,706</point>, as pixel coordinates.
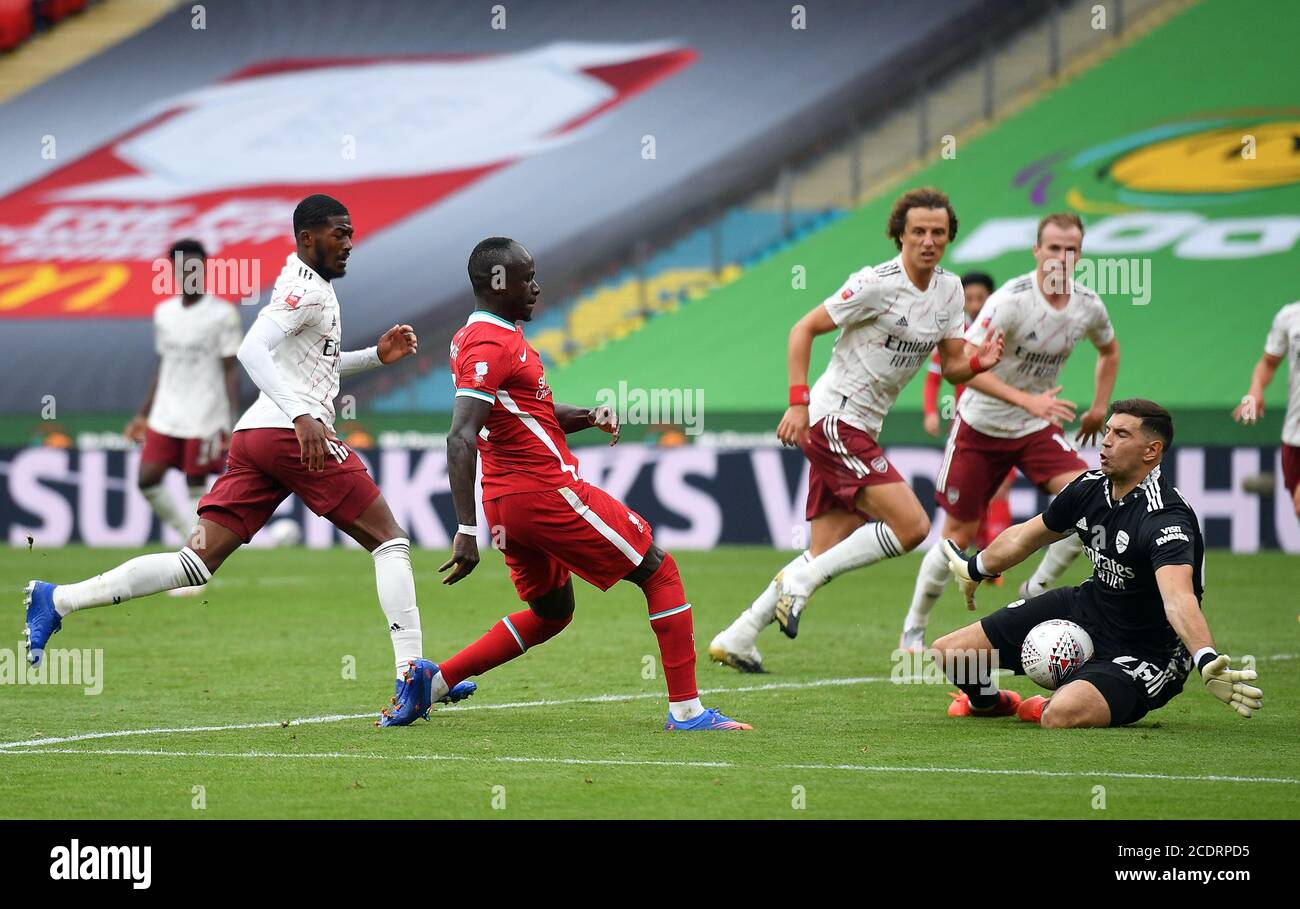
<point>682,711</point>
<point>868,544</point>
<point>744,631</point>
<point>930,583</point>
<point>440,687</point>
<point>396,586</point>
<point>140,577</point>
<point>1057,558</point>
<point>165,507</point>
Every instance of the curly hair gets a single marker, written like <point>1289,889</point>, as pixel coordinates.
<point>925,197</point>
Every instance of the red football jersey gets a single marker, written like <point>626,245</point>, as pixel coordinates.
<point>522,446</point>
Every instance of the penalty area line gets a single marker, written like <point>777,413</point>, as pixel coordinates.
<point>515,705</point>
<point>613,762</point>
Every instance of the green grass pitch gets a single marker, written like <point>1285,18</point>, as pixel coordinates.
<point>272,640</point>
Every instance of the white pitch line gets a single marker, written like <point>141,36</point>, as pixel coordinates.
<point>341,717</point>
<point>713,765</point>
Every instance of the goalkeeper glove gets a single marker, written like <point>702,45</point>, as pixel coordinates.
<point>965,570</point>
<point>1229,685</point>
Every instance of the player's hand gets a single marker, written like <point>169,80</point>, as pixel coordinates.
<point>313,439</point>
<point>399,341</point>
<point>1091,424</point>
<point>464,558</point>
<point>793,428</point>
<point>991,350</point>
<point>605,418</point>
<point>1249,410</point>
<point>1229,685</point>
<point>1047,406</point>
<point>957,562</point>
<point>137,429</point>
<point>931,424</point>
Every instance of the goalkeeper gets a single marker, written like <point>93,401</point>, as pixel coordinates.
<point>1142,605</point>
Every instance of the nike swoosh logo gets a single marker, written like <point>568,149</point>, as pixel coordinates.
<point>523,357</point>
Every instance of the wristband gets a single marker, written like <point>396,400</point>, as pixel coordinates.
<point>976,570</point>
<point>799,394</point>
<point>1205,655</point>
<point>468,529</point>
<point>975,365</point>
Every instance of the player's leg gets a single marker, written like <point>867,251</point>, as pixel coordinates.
<point>159,453</point>
<point>899,526</point>
<point>1077,704</point>
<point>973,465</point>
<point>1061,554</point>
<point>736,645</point>
<point>997,517</point>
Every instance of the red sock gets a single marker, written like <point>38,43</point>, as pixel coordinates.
<point>501,645</point>
<point>997,517</point>
<point>670,617</point>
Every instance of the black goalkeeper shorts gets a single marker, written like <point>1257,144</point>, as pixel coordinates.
<point>1131,685</point>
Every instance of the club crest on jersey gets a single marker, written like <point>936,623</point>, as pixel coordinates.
<point>879,465</point>
<point>1121,541</point>
<point>953,496</point>
<point>941,317</point>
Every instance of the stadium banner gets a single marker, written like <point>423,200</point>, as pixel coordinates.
<point>695,497</point>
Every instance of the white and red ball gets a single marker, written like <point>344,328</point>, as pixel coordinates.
<point>1053,651</point>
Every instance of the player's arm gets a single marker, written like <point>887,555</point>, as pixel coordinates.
<point>255,356</point>
<point>135,430</point>
<point>1251,407</point>
<point>1045,406</point>
<point>1104,375</point>
<point>1008,549</point>
<point>394,344</point>
<point>960,361</point>
<point>1184,613</point>
<point>467,420</point>
<point>575,419</point>
<point>930,396</point>
<point>793,428</point>
<point>230,370</point>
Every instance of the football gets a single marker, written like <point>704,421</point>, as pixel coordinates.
<point>1053,651</point>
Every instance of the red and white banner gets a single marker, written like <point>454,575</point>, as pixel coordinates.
<point>227,164</point>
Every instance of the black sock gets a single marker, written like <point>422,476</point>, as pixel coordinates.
<point>971,675</point>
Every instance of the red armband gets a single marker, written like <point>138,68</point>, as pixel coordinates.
<point>975,367</point>
<point>799,394</point>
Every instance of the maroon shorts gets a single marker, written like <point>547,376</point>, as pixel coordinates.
<point>841,460</point>
<point>193,457</point>
<point>1290,467</point>
<point>975,464</point>
<point>578,528</point>
<point>264,467</point>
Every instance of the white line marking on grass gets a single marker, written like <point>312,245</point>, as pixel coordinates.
<point>713,765</point>
<point>341,717</point>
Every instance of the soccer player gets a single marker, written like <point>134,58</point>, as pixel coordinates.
<point>1283,340</point>
<point>1011,417</point>
<point>549,522</point>
<point>194,393</point>
<point>285,443</point>
<point>1142,605</point>
<point>890,318</point>
<point>977,287</point>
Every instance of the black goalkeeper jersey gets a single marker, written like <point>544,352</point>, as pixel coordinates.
<point>1127,541</point>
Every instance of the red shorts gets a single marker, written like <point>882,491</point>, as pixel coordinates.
<point>193,457</point>
<point>975,464</point>
<point>578,528</point>
<point>1290,467</point>
<point>263,468</point>
<point>841,460</point>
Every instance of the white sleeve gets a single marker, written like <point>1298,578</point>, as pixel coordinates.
<point>1278,340</point>
<point>352,361</point>
<point>860,298</point>
<point>255,353</point>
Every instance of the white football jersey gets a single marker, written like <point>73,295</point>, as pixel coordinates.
<point>1284,341</point>
<point>303,304</point>
<point>1038,341</point>
<point>887,330</point>
<point>190,401</point>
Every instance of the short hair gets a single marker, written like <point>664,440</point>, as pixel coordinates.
<point>1155,419</point>
<point>487,256</point>
<point>316,210</point>
<point>1062,219</point>
<point>926,197</point>
<point>187,247</point>
<point>982,278</point>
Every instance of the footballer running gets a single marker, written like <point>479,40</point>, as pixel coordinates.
<point>1141,606</point>
<point>1283,341</point>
